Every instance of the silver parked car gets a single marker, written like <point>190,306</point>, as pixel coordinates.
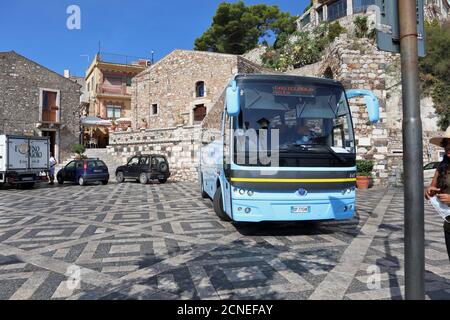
<point>429,171</point>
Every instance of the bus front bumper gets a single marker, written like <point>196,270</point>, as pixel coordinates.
<point>327,208</point>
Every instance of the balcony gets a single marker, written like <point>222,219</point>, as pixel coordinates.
<point>111,90</point>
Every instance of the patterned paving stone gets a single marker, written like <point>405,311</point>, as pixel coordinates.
<point>132,241</point>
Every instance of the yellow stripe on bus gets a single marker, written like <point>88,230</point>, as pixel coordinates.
<point>262,180</point>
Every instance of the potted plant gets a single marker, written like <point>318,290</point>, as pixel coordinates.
<point>363,173</point>
<point>79,150</point>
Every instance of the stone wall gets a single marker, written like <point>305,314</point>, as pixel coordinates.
<point>20,83</point>
<point>180,145</point>
<point>170,85</point>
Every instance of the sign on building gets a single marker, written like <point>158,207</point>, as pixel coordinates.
<point>388,32</point>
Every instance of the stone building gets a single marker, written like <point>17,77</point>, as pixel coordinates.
<point>343,11</point>
<point>108,83</point>
<point>37,101</point>
<point>182,87</point>
<point>169,102</point>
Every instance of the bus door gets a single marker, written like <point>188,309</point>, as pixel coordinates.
<point>226,185</point>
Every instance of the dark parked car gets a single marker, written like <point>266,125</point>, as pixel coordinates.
<point>145,168</point>
<point>84,171</point>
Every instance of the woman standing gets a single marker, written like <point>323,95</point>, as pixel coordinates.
<point>440,186</point>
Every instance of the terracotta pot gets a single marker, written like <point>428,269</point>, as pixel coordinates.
<point>362,182</point>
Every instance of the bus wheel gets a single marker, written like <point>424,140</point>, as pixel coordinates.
<point>218,206</point>
<point>202,188</point>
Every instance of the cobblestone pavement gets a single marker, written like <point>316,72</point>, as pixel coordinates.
<point>131,241</point>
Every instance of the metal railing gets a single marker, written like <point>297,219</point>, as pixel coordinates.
<point>123,59</point>
<point>122,90</point>
<point>360,6</point>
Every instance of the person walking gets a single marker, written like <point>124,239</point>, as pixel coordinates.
<point>51,171</point>
<point>440,186</point>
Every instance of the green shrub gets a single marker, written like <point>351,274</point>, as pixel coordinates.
<point>361,26</point>
<point>434,69</point>
<point>79,149</point>
<point>334,31</point>
<point>364,168</point>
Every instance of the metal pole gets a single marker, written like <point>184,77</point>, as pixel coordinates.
<point>412,154</point>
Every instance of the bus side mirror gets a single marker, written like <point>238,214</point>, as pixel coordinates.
<point>372,104</point>
<point>233,100</point>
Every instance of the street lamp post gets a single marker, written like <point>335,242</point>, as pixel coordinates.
<point>413,154</point>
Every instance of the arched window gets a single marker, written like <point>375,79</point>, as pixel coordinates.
<point>328,73</point>
<point>200,89</point>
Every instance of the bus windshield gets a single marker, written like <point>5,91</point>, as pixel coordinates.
<point>309,117</point>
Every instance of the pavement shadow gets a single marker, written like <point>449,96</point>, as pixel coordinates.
<point>298,228</point>
<point>442,292</point>
<point>306,228</point>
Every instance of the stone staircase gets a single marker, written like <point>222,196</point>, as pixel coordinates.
<point>112,162</point>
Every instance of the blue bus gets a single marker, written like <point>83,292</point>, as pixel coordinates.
<point>281,148</point>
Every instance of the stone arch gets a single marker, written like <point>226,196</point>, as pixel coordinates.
<point>328,73</point>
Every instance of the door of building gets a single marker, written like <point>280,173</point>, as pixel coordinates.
<point>52,135</point>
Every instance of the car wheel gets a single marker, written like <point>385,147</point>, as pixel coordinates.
<point>81,181</point>
<point>202,188</point>
<point>120,177</point>
<point>218,206</point>
<point>60,180</point>
<point>105,182</point>
<point>162,181</point>
<point>143,178</point>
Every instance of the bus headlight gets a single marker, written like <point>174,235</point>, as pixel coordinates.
<point>241,192</point>
<point>250,193</point>
<point>347,191</point>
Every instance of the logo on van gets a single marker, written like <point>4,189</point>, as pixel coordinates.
<point>22,149</point>
<point>35,152</point>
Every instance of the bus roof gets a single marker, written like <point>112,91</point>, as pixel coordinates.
<point>283,77</point>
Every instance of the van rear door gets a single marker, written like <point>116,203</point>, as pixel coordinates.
<point>18,150</point>
<point>39,154</point>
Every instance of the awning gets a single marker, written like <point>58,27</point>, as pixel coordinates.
<point>123,120</point>
<point>95,122</point>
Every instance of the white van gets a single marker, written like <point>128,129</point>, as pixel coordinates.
<point>23,160</point>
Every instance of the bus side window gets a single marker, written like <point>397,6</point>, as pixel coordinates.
<point>227,140</point>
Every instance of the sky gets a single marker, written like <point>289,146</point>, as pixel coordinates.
<point>38,29</point>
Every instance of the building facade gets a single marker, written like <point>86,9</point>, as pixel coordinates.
<point>108,83</point>
<point>37,101</point>
<point>332,10</point>
<point>169,102</point>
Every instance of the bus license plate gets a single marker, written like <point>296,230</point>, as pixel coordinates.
<point>300,209</point>
<point>27,179</point>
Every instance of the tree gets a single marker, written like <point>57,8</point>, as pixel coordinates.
<point>435,69</point>
<point>237,28</point>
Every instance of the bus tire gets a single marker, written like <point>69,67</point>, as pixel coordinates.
<point>202,189</point>
<point>218,206</point>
